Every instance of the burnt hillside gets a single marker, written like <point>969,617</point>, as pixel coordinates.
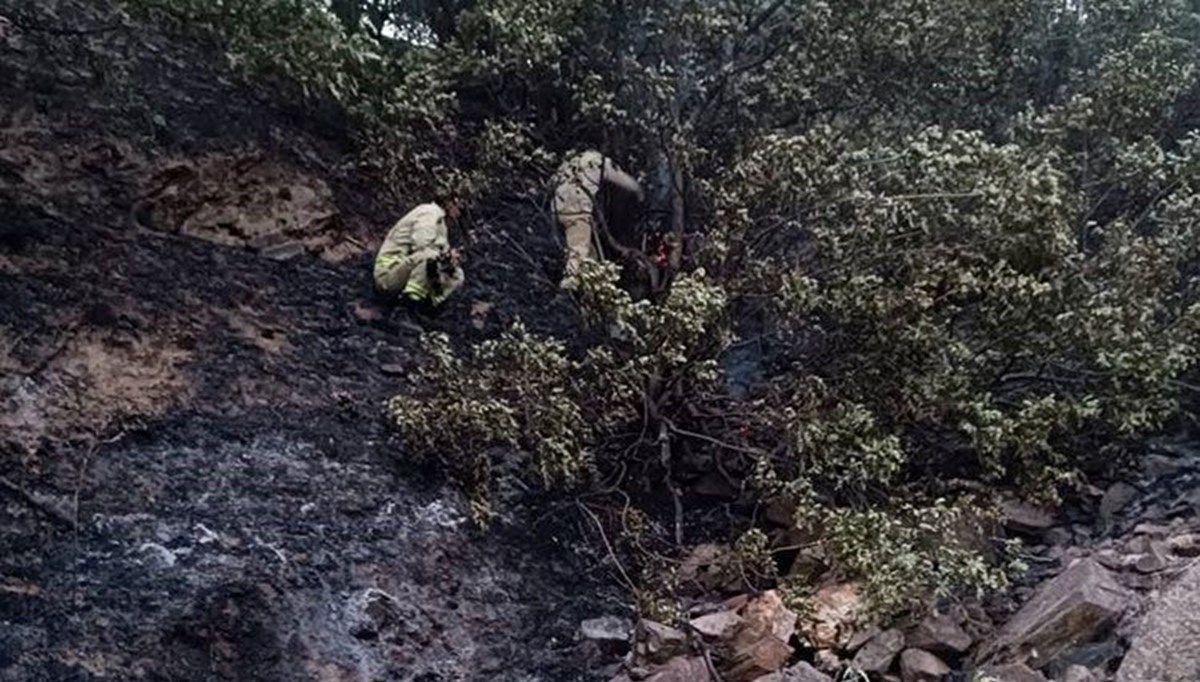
<point>197,480</point>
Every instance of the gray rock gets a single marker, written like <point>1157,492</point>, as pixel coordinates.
<point>681,670</point>
<point>610,633</point>
<point>1073,608</point>
<point>1058,536</point>
<point>876,656</point>
<point>1152,530</point>
<point>921,666</point>
<point>862,637</point>
<point>659,642</point>
<point>1115,498</point>
<point>827,661</point>
<point>284,251</point>
<point>1012,672</point>
<point>941,634</point>
<point>1164,645</point>
<point>801,672</point>
<point>1026,516</point>
<point>1152,561</point>
<point>1077,673</point>
<point>719,625</point>
<point>1187,545</point>
<point>1092,656</point>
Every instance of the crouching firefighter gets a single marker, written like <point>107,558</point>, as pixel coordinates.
<point>415,264</point>
<point>596,205</point>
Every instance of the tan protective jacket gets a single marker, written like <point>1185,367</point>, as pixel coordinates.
<point>577,184</point>
<point>402,265</point>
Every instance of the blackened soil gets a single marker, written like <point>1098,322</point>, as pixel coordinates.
<point>198,483</point>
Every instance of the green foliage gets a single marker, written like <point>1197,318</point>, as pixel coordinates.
<point>965,232</point>
<point>523,391</point>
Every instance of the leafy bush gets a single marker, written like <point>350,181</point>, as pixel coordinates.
<point>963,232</point>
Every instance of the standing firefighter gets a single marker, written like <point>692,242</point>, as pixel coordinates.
<point>590,188</point>
<point>416,261</point>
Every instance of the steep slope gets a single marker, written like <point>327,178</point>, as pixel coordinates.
<point>196,480</point>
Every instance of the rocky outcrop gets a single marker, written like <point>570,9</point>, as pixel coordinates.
<point>1076,607</point>
<point>1165,647</point>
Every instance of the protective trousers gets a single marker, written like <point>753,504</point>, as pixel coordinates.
<point>574,208</point>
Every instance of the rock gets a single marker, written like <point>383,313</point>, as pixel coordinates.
<point>1072,608</point>
<point>719,625</point>
<point>1058,536</point>
<point>766,614</point>
<point>760,643</point>
<point>754,660</point>
<point>659,643</point>
<point>876,656</point>
<point>827,661</point>
<point>610,633</point>
<point>801,672</point>
<point>370,612</point>
<point>1077,673</point>
<point>1187,546</point>
<point>1115,498</point>
<point>365,312</point>
<point>1158,466</point>
<point>941,634</point>
<point>921,666</point>
<point>1013,672</point>
<point>681,669</point>
<point>284,251</point>
<point>703,564</point>
<point>1023,515</point>
<point>836,611</point>
<point>1092,656</point>
<point>1164,643</point>
<point>1110,559</point>
<point>861,637</point>
<point>1152,561</point>
<point>1152,530</point>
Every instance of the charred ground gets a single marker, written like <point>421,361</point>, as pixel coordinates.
<point>199,482</point>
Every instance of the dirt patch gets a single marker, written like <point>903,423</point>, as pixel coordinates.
<point>85,382</point>
<point>243,199</point>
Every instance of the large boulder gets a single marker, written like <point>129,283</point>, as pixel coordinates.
<point>1079,605</point>
<point>1164,647</point>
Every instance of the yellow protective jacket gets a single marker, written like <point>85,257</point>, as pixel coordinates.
<point>402,266</point>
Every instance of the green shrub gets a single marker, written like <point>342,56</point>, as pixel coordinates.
<point>965,232</point>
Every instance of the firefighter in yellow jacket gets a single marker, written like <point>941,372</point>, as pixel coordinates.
<point>579,185</point>
<point>416,261</point>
